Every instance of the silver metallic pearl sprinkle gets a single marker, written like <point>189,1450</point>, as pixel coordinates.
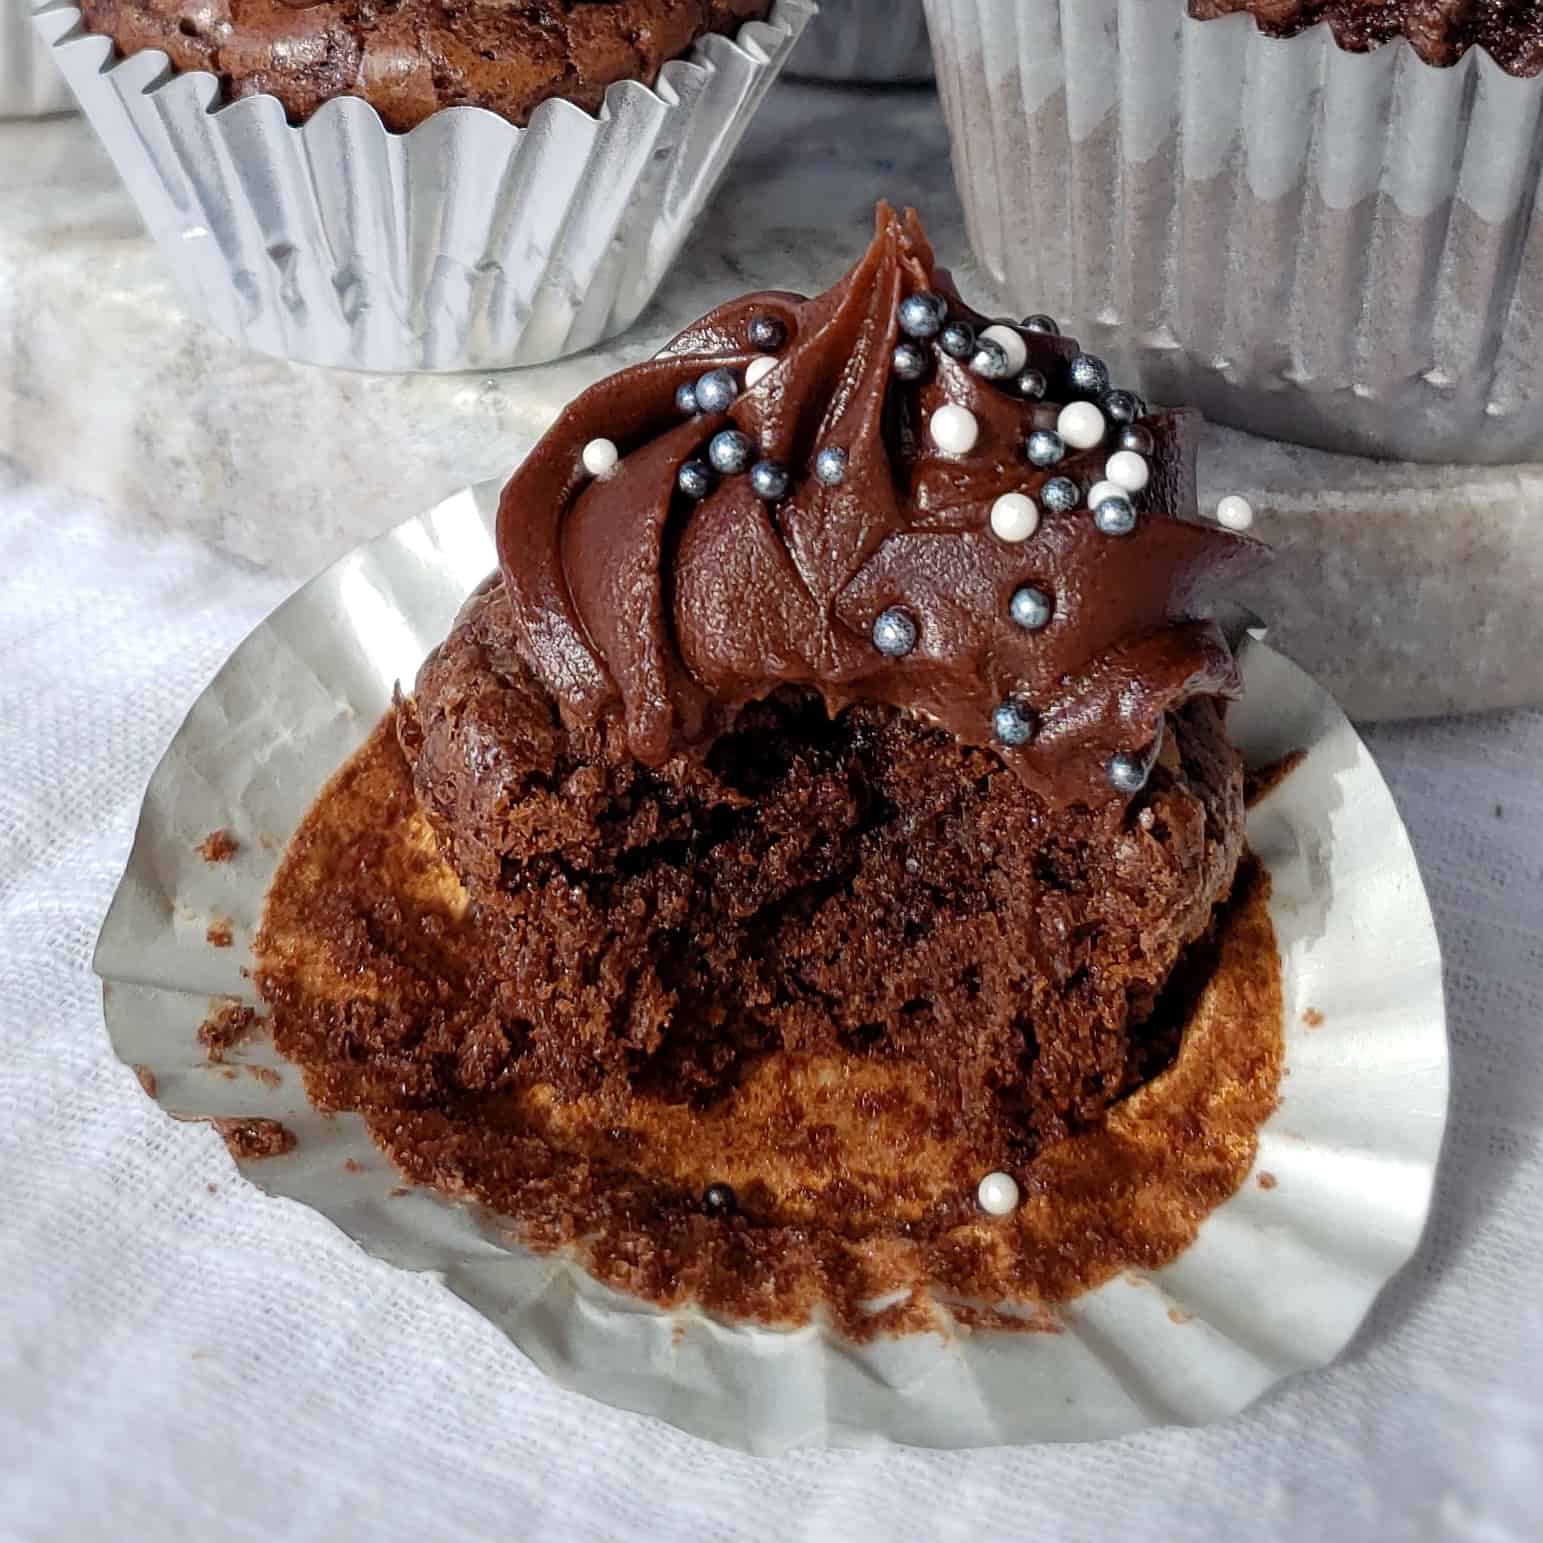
<point>990,360</point>
<point>1115,515</point>
<point>1138,439</point>
<point>894,633</point>
<point>1060,494</point>
<point>1046,447</point>
<point>1032,385</point>
<point>1127,773</point>
<point>1031,608</point>
<point>997,1194</point>
<point>957,340</point>
<point>1089,375</point>
<point>695,479</point>
<point>830,466</point>
<point>770,480</point>
<point>922,315</point>
<point>1042,323</point>
<point>910,362</point>
<point>1123,407</point>
<point>719,1200</point>
<point>685,400</point>
<point>767,333</point>
<point>730,452</point>
<point>717,391</point>
<point>1013,724</point>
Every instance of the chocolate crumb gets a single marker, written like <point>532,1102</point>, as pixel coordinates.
<point>219,846</point>
<point>1262,781</point>
<point>351,1166</point>
<point>1268,1181</point>
<point>253,1140</point>
<point>146,1079</point>
<point>221,933</point>
<point>1312,1018</point>
<point>225,1028</point>
<point>265,1075</point>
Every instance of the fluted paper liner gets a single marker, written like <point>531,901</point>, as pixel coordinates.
<point>30,83</point>
<point>877,42</point>
<point>1326,247</point>
<point>467,243</point>
<point>1277,1281</point>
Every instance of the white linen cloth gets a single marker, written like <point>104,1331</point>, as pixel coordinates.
<point>183,1357</point>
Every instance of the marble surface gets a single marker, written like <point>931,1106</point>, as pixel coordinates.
<point>1407,590</point>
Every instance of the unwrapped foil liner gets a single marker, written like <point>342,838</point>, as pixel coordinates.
<point>30,83</point>
<point>1277,1281</point>
<point>465,244</point>
<point>875,42</point>
<point>1321,246</point>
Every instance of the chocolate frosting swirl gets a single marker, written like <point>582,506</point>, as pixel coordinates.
<point>631,599</point>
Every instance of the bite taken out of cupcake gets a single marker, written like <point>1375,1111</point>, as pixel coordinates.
<point>803,847</point>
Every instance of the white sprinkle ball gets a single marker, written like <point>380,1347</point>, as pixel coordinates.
<point>1127,469</point>
<point>600,456</point>
<point>1081,425</point>
<point>1014,517</point>
<point>998,1194</point>
<point>954,429</point>
<point>1013,346</point>
<point>758,369</point>
<point>1235,512</point>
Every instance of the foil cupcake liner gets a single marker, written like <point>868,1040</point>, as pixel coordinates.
<point>30,83</point>
<point>871,42</point>
<point>1326,247</point>
<point>466,244</point>
<point>1277,1281</point>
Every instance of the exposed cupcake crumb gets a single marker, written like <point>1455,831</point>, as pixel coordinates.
<point>1268,1181</point>
<point>225,1028</point>
<point>1312,1018</point>
<point>221,933</point>
<point>1178,1315</point>
<point>265,1075</point>
<point>1262,781</point>
<point>253,1140</point>
<point>219,846</point>
<point>352,1167</point>
<point>146,1079</point>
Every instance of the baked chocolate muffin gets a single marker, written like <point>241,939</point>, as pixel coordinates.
<point>1440,31</point>
<point>841,692</point>
<point>409,58</point>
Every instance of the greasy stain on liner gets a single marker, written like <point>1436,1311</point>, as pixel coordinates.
<point>348,941</point>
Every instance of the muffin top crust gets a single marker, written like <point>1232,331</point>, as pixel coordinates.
<point>409,58</point>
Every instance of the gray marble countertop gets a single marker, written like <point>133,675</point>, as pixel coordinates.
<point>1407,590</point>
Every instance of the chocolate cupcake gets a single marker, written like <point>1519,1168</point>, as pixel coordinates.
<point>841,693</point>
<point>1312,219</point>
<point>421,186</point>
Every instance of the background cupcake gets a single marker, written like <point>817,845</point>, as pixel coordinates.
<point>448,190</point>
<point>30,84</point>
<point>882,42</point>
<point>1324,235</point>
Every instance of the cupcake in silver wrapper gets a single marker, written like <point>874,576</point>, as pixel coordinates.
<point>872,42</point>
<point>465,244</point>
<point>30,83</point>
<point>1328,247</point>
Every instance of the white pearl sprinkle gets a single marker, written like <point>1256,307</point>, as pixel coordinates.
<point>1235,512</point>
<point>600,456</point>
<point>1014,517</point>
<point>1011,339</point>
<point>1128,469</point>
<point>758,369</point>
<point>1102,490</point>
<point>1081,425</point>
<point>998,1194</point>
<point>954,429</point>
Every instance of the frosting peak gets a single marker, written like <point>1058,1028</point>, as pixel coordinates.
<point>872,494</point>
